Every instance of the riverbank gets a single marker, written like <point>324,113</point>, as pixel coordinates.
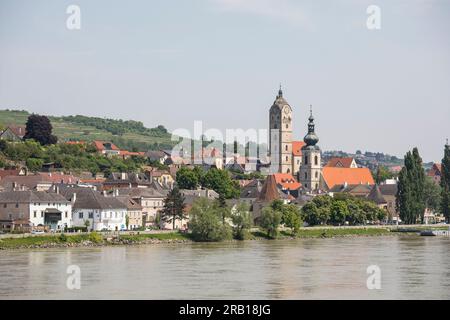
<point>97,239</point>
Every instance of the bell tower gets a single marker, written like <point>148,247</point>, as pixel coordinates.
<point>311,168</point>
<point>280,136</point>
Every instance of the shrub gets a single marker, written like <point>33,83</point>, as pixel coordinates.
<point>270,220</point>
<point>206,222</point>
<point>95,237</point>
<point>242,221</point>
<point>62,237</point>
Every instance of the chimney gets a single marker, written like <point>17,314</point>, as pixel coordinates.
<point>74,198</point>
<point>57,190</point>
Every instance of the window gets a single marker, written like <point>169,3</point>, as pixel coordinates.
<point>42,214</point>
<point>287,126</point>
<point>287,158</point>
<point>80,215</point>
<point>317,174</point>
<point>91,215</point>
<point>66,214</point>
<point>316,160</point>
<point>306,185</point>
<point>317,186</point>
<point>34,214</point>
<point>306,175</point>
<point>286,147</point>
<point>306,159</point>
<point>5,205</point>
<point>298,161</point>
<point>17,205</point>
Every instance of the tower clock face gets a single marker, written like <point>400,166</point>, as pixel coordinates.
<point>286,109</point>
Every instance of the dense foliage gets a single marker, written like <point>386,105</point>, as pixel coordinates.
<point>118,127</point>
<point>215,179</point>
<point>40,129</point>
<point>410,198</point>
<point>341,209</point>
<point>206,222</point>
<point>68,157</point>
<point>242,221</point>
<point>173,207</point>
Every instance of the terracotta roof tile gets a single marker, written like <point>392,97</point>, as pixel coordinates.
<point>333,176</point>
<point>340,162</point>
<point>297,147</point>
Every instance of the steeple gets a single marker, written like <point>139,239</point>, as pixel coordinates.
<point>311,138</point>
<point>280,92</point>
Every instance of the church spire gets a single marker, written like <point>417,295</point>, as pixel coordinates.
<point>280,92</point>
<point>311,138</point>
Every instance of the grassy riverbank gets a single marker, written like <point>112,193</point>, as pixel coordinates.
<point>98,239</point>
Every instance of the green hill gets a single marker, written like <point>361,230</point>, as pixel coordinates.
<point>130,135</point>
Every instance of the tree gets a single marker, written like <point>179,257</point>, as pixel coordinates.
<point>173,207</point>
<point>220,181</point>
<point>432,194</point>
<point>445,183</point>
<point>310,213</point>
<point>40,129</point>
<point>338,212</point>
<point>34,164</point>
<point>290,217</point>
<point>382,174</point>
<point>127,220</point>
<point>242,220</point>
<point>87,224</point>
<point>206,223</point>
<point>410,200</point>
<point>187,179</point>
<point>270,220</point>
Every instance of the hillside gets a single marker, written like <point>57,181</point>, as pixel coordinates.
<point>126,134</point>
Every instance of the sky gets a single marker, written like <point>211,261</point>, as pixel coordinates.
<point>173,62</point>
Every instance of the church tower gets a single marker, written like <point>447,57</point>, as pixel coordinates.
<point>311,169</point>
<point>280,140</point>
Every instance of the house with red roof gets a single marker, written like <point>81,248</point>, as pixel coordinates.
<point>106,148</point>
<point>332,176</point>
<point>338,162</point>
<point>13,133</point>
<point>435,173</point>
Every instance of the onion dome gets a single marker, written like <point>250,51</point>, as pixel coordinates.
<point>311,138</point>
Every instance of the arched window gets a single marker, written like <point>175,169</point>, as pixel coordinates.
<point>316,160</point>
<point>317,174</point>
<point>287,158</point>
<point>306,159</point>
<point>287,126</point>
<point>288,171</point>
<point>306,175</point>
<point>286,147</point>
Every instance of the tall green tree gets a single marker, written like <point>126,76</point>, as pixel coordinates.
<point>206,223</point>
<point>410,200</point>
<point>40,129</point>
<point>242,220</point>
<point>382,174</point>
<point>432,194</point>
<point>220,181</point>
<point>270,221</point>
<point>173,207</point>
<point>187,179</point>
<point>445,183</point>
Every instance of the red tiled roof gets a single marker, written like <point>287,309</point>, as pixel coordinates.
<point>337,176</point>
<point>287,181</point>
<point>17,130</point>
<point>131,153</point>
<point>340,162</point>
<point>5,173</point>
<point>56,177</point>
<point>99,145</point>
<point>297,147</point>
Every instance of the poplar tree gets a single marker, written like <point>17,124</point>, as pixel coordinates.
<point>445,183</point>
<point>410,198</point>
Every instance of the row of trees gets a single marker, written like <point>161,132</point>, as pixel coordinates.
<point>341,209</point>
<point>416,191</point>
<point>215,179</point>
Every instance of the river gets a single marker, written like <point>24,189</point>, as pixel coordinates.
<point>412,267</point>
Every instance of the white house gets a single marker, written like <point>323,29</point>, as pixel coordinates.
<point>38,208</point>
<point>102,213</point>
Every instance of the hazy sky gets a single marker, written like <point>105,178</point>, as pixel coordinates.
<point>175,61</point>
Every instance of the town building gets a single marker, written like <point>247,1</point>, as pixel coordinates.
<point>435,173</point>
<point>134,211</point>
<point>332,176</point>
<point>13,133</point>
<point>92,209</point>
<point>311,168</point>
<point>33,209</point>
<point>344,162</point>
